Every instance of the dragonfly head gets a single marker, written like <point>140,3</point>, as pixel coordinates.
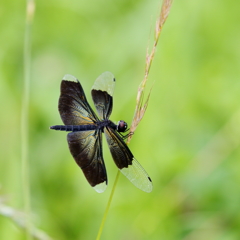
<point>121,126</point>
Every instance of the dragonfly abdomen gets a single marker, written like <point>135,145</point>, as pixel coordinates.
<point>74,128</point>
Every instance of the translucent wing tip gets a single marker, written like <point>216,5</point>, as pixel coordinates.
<point>108,76</point>
<point>101,187</point>
<point>69,77</point>
<point>105,82</point>
<point>148,187</point>
<point>138,176</point>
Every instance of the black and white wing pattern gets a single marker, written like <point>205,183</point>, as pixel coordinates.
<point>73,106</point>
<point>102,93</point>
<point>126,162</point>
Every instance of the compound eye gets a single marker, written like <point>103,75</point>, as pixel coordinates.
<point>122,126</point>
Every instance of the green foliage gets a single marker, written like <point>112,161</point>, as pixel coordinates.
<point>188,140</point>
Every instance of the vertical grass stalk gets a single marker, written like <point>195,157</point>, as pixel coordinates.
<point>25,114</point>
<point>108,206</point>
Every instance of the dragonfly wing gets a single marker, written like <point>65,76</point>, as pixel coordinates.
<point>73,106</point>
<point>86,149</point>
<point>126,162</point>
<point>102,92</point>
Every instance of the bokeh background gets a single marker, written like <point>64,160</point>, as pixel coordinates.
<point>188,140</point>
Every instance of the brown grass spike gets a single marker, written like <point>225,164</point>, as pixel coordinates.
<point>141,105</point>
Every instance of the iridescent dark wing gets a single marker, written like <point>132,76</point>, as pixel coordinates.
<point>85,146</point>
<point>73,106</point>
<point>102,92</point>
<point>126,162</point>
<point>86,149</point>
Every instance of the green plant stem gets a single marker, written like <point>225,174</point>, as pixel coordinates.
<point>107,208</point>
<point>24,116</point>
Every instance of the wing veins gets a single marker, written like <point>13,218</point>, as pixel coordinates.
<point>85,106</point>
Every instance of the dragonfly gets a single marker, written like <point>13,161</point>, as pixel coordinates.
<point>85,132</point>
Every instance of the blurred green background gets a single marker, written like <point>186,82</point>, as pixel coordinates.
<point>188,140</point>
